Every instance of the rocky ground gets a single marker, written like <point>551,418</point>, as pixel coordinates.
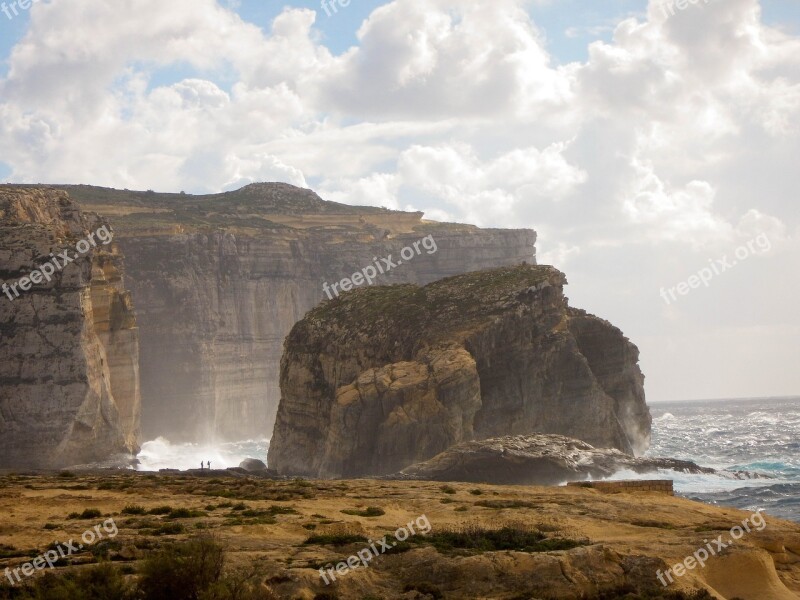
<point>484,541</point>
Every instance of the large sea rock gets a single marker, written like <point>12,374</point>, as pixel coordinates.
<point>382,378</point>
<point>537,459</point>
<point>69,349</point>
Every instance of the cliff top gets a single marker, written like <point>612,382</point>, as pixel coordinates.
<point>29,215</point>
<point>258,206</point>
<point>408,315</point>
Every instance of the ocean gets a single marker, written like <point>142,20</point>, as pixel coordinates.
<point>760,435</point>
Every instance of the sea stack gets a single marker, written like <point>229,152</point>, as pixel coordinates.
<point>382,378</point>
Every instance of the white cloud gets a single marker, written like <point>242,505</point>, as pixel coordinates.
<point>676,137</point>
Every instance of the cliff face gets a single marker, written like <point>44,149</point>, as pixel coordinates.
<point>382,378</point>
<point>218,281</point>
<point>69,384</point>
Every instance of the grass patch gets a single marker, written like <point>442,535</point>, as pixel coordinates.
<point>168,529</point>
<point>7,551</point>
<point>370,511</point>
<point>160,510</point>
<point>654,524</point>
<point>134,509</point>
<point>474,539</point>
<point>185,513</point>
<point>88,513</point>
<point>335,539</point>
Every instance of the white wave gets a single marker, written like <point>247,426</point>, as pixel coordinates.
<point>688,483</point>
<point>163,454</point>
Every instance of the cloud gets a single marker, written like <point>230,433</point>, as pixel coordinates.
<point>676,138</point>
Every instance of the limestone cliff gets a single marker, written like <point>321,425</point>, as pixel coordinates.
<point>69,383</point>
<point>218,281</point>
<point>382,378</point>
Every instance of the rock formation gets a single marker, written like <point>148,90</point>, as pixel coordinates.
<point>218,281</point>
<point>253,464</point>
<point>69,380</point>
<point>382,378</point>
<point>538,459</point>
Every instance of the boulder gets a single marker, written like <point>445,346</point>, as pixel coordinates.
<point>535,460</point>
<point>253,465</point>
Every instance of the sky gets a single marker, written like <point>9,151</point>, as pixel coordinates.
<point>653,149</point>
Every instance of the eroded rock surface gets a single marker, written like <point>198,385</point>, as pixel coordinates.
<point>69,379</point>
<point>535,460</point>
<point>382,378</point>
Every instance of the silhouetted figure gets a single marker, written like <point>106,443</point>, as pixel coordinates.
<point>209,465</point>
<point>201,465</point>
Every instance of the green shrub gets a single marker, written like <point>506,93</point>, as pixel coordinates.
<point>370,511</point>
<point>243,583</point>
<point>183,571</point>
<point>134,509</point>
<point>335,539</point>
<point>184,513</point>
<point>448,489</point>
<point>100,582</point>
<point>160,510</point>
<point>88,513</point>
<point>426,589</point>
<point>169,529</point>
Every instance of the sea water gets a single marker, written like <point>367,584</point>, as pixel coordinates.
<point>758,435</point>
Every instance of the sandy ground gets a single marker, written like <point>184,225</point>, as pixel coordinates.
<point>626,537</point>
